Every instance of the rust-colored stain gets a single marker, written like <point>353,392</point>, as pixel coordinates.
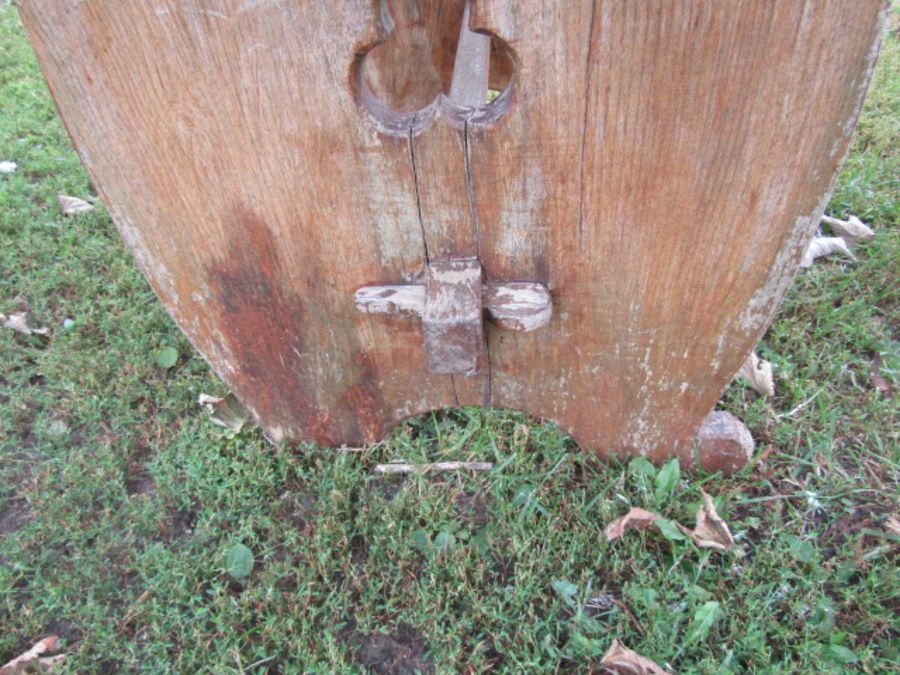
<point>660,171</point>
<point>364,400</point>
<point>261,320</point>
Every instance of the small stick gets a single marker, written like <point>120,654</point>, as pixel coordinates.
<point>397,467</point>
<point>801,406</point>
<point>631,617</point>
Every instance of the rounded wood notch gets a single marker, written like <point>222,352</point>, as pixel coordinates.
<point>412,74</point>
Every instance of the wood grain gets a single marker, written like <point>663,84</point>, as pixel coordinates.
<point>659,165</point>
<point>662,170</point>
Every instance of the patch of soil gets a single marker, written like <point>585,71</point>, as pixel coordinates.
<point>386,487</point>
<point>181,523</point>
<point>297,508</point>
<point>861,518</point>
<point>13,516</point>
<point>359,550</point>
<point>65,630</point>
<point>473,508</point>
<point>400,654</point>
<point>138,480</point>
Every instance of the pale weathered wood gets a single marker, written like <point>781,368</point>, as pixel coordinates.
<point>659,166</point>
<point>518,305</point>
<point>406,300</point>
<point>514,305</point>
<point>661,171</point>
<point>452,321</point>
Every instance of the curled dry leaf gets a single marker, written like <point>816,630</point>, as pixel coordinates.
<point>32,661</point>
<point>850,230</point>
<point>892,525</point>
<point>759,373</point>
<point>636,517</point>
<point>225,411</point>
<point>71,206</point>
<point>623,661</point>
<point>24,323</point>
<point>881,385</point>
<point>822,246</point>
<point>710,531</point>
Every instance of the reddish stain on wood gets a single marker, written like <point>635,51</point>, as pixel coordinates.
<point>263,320</point>
<point>658,166</point>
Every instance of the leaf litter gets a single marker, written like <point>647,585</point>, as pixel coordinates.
<point>710,530</point>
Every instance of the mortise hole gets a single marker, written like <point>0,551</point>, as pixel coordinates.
<point>407,79</point>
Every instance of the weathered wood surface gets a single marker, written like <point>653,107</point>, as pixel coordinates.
<point>452,322</point>
<point>453,303</point>
<point>514,305</point>
<point>659,166</point>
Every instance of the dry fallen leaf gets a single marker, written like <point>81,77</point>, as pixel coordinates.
<point>881,385</point>
<point>32,661</point>
<point>226,411</point>
<point>849,230</point>
<point>623,661</point>
<point>24,323</point>
<point>636,517</point>
<point>710,531</point>
<point>822,246</point>
<point>892,525</point>
<point>71,206</point>
<point>759,373</point>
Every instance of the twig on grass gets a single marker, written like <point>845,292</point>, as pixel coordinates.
<point>397,467</point>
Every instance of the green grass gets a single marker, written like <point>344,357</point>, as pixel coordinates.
<point>118,499</point>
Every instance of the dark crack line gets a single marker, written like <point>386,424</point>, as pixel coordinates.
<point>415,173</point>
<point>487,396</point>
<point>470,190</point>
<point>584,120</point>
<point>455,394</point>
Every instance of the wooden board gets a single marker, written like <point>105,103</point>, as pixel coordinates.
<point>660,166</point>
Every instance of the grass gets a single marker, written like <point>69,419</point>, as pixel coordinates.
<point>119,500</point>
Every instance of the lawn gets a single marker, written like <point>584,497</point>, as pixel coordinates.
<point>120,502</point>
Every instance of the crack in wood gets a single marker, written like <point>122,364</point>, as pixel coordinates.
<point>415,173</point>
<point>473,210</point>
<point>584,125</point>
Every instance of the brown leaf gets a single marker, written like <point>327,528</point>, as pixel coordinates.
<point>759,373</point>
<point>711,531</point>
<point>636,517</point>
<point>623,661</point>
<point>882,386</point>
<point>31,660</point>
<point>849,230</point>
<point>822,246</point>
<point>71,206</point>
<point>226,411</point>
<point>24,323</point>
<point>892,525</point>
